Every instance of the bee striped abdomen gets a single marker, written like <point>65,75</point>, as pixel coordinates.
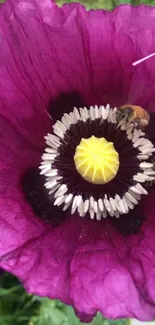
<point>135,114</point>
<point>141,113</point>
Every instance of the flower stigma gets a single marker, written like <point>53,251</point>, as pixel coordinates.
<point>96,160</point>
<point>94,164</point>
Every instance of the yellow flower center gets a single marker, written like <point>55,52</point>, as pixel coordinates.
<point>96,160</point>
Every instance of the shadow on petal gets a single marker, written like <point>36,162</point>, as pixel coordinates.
<point>65,103</point>
<point>150,130</point>
<point>37,196</point>
<point>130,224</point>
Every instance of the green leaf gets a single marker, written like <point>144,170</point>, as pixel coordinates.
<point>49,313</point>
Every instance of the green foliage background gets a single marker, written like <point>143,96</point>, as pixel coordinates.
<point>107,4</point>
<point>19,308</point>
<point>16,306</point>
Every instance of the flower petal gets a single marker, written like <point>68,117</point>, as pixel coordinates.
<point>69,49</point>
<point>87,264</point>
<point>47,51</point>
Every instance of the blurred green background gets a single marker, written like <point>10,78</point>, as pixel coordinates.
<point>19,308</point>
<point>16,306</point>
<point>107,4</point>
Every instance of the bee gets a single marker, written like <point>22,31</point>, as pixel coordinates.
<point>140,117</point>
<point>135,114</point>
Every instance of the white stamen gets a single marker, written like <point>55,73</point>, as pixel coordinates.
<point>83,115</point>
<point>101,205</point>
<point>129,203</point>
<point>96,112</point>
<point>149,172</point>
<point>100,109</point>
<point>95,206</point>
<point>143,59</point>
<point>149,178</point>
<point>92,213</point>
<point>122,206</point>
<point>78,201</point>
<point>66,206</point>
<point>81,209</point>
<point>118,199</point>
<point>86,206</point>
<point>65,121</point>
<point>60,126</point>
<point>45,169</point>
<point>69,119</point>
<point>104,214</point>
<point>59,200</point>
<point>52,139</point>
<point>69,198</point>
<point>50,184</point>
<point>142,157</point>
<point>91,202</point>
<point>146,150</point>
<point>135,195</point>
<point>53,189</point>
<point>131,198</point>
<point>146,165</point>
<point>98,215</point>
<point>86,112</point>
<point>140,178</point>
<point>137,134</point>
<point>74,205</point>
<point>50,150</point>
<point>76,113</point>
<point>139,141</point>
<point>113,204</point>
<point>117,215</point>
<point>92,113</point>
<point>105,113</point>
<point>135,190</point>
<point>58,133</point>
<point>107,204</point>
<point>47,156</point>
<point>53,172</point>
<point>113,116</point>
<point>53,145</point>
<point>142,189</point>
<point>61,191</point>
<point>45,164</point>
<point>73,117</point>
<point>54,178</point>
<point>125,204</point>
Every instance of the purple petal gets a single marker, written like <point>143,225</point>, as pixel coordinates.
<point>46,51</point>
<point>63,49</point>
<point>88,265</point>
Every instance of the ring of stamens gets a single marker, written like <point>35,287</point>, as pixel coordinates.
<point>67,187</point>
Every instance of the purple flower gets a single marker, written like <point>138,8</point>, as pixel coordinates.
<point>51,60</point>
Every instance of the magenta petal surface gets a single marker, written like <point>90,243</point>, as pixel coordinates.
<point>45,51</point>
